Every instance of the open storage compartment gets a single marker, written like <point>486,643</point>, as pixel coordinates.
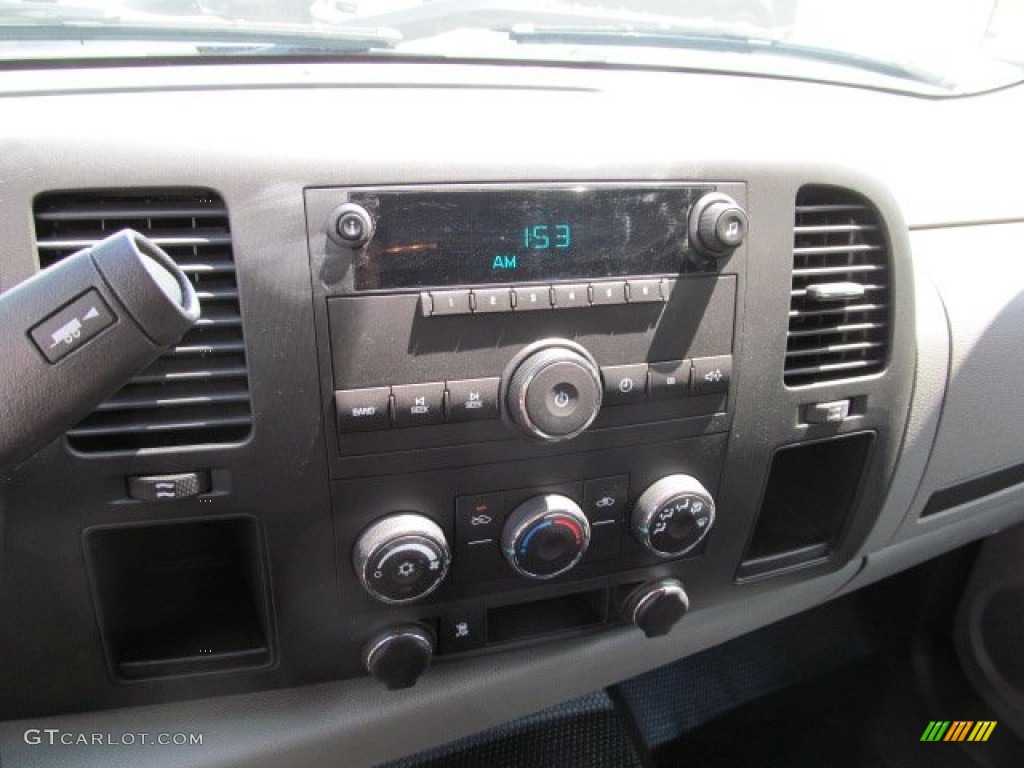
<point>520,621</point>
<point>181,597</point>
<point>807,502</point>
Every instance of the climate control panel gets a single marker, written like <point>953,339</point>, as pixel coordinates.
<point>528,390</point>
<point>404,557</point>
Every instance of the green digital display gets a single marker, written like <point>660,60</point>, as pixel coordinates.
<point>442,237</point>
<point>545,237</point>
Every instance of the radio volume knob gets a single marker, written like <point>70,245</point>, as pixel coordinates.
<point>718,225</point>
<point>401,558</point>
<point>351,225</point>
<point>554,392</point>
<point>673,515</point>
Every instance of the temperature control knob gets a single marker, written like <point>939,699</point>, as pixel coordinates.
<point>673,515</point>
<point>545,536</point>
<point>554,391</point>
<point>401,558</point>
<point>718,225</point>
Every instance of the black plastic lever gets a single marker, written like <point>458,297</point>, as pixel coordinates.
<point>76,332</point>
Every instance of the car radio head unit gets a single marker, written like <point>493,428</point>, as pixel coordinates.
<point>422,238</point>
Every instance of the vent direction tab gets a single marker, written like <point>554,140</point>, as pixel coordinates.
<point>840,299</point>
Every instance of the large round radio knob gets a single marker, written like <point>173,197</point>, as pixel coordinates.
<point>673,515</point>
<point>401,558</point>
<point>545,536</point>
<point>555,392</point>
<point>718,225</point>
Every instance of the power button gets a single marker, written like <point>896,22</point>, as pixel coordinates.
<point>555,394</point>
<point>350,225</point>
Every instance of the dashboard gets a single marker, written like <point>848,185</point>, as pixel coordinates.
<point>510,383</point>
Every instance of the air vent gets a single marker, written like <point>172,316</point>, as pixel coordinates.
<point>197,393</point>
<point>839,310</point>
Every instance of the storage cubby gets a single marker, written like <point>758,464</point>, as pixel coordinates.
<point>181,598</point>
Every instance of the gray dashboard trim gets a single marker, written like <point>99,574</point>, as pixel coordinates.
<point>358,723</point>
<point>883,144</point>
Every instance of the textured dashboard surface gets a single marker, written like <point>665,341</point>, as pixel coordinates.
<point>260,135</point>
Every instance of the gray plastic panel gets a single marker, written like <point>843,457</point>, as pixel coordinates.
<point>970,344</point>
<point>981,429</point>
<point>358,723</point>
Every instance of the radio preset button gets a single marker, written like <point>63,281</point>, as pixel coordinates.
<point>644,291</point>
<point>450,303</point>
<point>360,410</point>
<point>608,293</point>
<point>570,296</point>
<point>625,383</point>
<point>418,405</point>
<point>532,297</point>
<point>426,304</point>
<point>670,379</point>
<point>492,300</point>
<point>711,374</point>
<point>473,399</point>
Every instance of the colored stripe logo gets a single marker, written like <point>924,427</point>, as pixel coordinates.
<point>958,730</point>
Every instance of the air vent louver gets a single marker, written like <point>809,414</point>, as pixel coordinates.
<point>839,306</point>
<point>197,393</point>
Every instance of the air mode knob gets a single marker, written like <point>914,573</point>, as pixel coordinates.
<point>554,390</point>
<point>401,558</point>
<point>545,536</point>
<point>718,225</point>
<point>673,515</point>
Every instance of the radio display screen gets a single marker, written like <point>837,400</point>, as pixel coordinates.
<point>471,237</point>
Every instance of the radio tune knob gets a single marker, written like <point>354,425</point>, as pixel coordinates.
<point>718,225</point>
<point>555,391</point>
<point>545,536</point>
<point>673,515</point>
<point>401,558</point>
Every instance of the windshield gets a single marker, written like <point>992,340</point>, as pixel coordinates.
<point>934,47</point>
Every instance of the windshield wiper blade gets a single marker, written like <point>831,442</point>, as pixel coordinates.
<point>44,22</point>
<point>716,40</point>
